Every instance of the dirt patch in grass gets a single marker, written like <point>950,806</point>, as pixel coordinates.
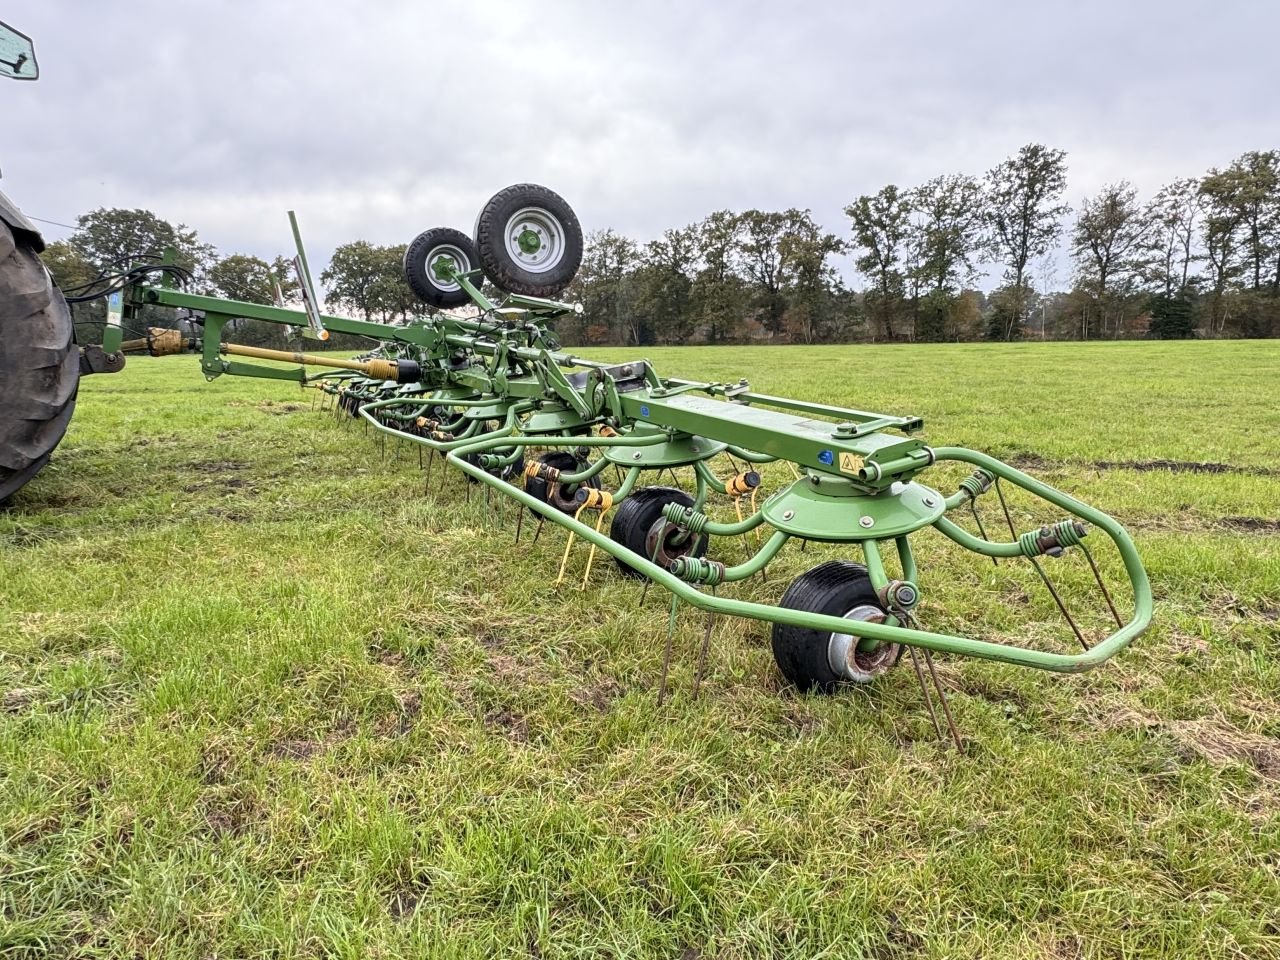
<point>295,749</point>
<point>231,516</point>
<point>19,698</point>
<point>1252,524</point>
<point>514,726</point>
<point>230,816</point>
<point>216,466</point>
<point>1220,743</point>
<point>599,694</point>
<point>404,900</point>
<point>1211,739</point>
<point>1031,461</point>
<point>278,409</point>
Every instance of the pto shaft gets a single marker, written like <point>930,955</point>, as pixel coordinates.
<point>377,369</point>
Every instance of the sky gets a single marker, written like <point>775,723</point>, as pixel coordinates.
<point>377,120</point>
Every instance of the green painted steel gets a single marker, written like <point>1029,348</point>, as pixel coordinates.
<point>482,390</point>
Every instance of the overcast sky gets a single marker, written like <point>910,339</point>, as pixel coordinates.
<point>377,120</point>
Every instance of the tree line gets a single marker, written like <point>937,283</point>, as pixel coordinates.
<point>1201,257</point>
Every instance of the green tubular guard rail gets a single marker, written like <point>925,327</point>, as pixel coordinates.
<point>940,642</point>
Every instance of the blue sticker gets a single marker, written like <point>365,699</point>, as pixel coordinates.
<point>827,457</point>
<point>644,411</point>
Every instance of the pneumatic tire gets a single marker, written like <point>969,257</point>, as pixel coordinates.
<point>640,526</point>
<point>428,251</point>
<point>39,364</point>
<point>837,588</point>
<point>529,241</point>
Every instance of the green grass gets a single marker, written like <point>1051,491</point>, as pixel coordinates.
<point>260,696</point>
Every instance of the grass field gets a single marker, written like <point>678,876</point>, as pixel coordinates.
<point>261,696</point>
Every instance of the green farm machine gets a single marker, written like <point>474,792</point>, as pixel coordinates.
<point>481,382</point>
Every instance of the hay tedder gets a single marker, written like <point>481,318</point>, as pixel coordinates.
<point>488,388</point>
<point>480,381</point>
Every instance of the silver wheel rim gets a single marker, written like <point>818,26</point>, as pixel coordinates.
<point>856,666</point>
<point>446,252</point>
<point>534,240</point>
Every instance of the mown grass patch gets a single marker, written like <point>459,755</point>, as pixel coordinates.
<point>266,694</point>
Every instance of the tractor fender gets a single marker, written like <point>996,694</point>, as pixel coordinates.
<point>20,225</point>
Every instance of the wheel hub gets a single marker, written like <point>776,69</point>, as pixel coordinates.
<point>535,240</point>
<point>443,264</point>
<point>855,659</point>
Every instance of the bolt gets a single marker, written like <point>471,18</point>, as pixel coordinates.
<point>929,501</point>
<point>636,455</point>
<point>787,515</point>
<point>866,522</point>
<point>845,429</point>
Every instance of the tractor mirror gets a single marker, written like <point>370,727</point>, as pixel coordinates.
<point>17,55</point>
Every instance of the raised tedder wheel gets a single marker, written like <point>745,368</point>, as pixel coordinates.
<point>426,260</point>
<point>529,240</point>
<point>816,660</point>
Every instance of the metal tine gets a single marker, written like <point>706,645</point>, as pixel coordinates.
<point>982,531</point>
<point>1005,507</point>
<point>666,653</point>
<point>1097,575</point>
<point>942,698</point>
<point>1059,601</point>
<point>1062,607</point>
<point>652,559</point>
<point>519,521</point>
<point>924,689</point>
<point>702,652</point>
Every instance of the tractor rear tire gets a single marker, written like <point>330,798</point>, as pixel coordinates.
<point>39,364</point>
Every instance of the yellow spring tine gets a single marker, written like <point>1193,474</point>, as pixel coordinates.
<point>564,561</point>
<point>591,554</point>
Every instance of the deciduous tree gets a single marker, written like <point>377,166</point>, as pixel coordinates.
<point>1024,218</point>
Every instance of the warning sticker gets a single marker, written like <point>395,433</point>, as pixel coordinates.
<point>850,463</point>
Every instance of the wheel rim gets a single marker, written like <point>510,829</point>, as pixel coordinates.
<point>860,665</point>
<point>658,545</point>
<point>534,240</point>
<point>436,261</point>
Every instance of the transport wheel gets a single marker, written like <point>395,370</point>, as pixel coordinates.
<point>427,254</point>
<point>39,364</point>
<point>529,241</point>
<point>555,493</point>
<point>815,660</point>
<point>640,527</point>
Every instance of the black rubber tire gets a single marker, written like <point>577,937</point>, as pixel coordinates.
<point>39,364</point>
<point>421,280</point>
<point>834,588</point>
<point>551,492</point>
<point>490,241</point>
<point>640,517</point>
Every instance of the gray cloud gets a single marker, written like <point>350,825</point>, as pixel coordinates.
<point>380,119</point>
